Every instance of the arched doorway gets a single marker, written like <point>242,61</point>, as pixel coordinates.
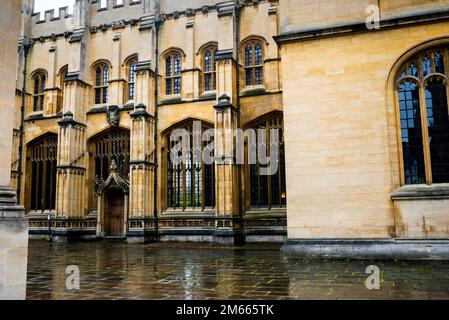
<point>112,218</point>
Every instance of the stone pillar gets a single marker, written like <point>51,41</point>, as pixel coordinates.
<point>142,222</point>
<point>72,145</point>
<point>13,224</point>
<point>228,226</point>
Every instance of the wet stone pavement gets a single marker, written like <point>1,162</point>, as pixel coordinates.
<point>201,271</point>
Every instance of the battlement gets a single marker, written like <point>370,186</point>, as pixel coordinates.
<point>49,15</point>
<point>101,13</point>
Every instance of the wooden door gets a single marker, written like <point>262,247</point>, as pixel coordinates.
<point>116,213</point>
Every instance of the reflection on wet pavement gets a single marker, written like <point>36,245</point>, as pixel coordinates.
<point>201,271</point>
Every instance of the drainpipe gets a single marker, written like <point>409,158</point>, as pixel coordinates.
<point>237,81</point>
<point>26,46</point>
<point>157,25</point>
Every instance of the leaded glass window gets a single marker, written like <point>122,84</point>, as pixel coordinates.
<point>42,164</point>
<point>173,66</point>
<point>424,117</point>
<point>253,53</point>
<point>190,184</point>
<point>101,84</point>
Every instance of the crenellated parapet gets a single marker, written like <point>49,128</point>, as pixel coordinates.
<point>116,14</point>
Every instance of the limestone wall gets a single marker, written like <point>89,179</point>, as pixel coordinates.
<point>342,142</point>
<point>305,15</point>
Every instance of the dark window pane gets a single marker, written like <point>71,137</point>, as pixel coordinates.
<point>105,76</point>
<point>208,61</point>
<point>208,82</point>
<point>438,124</point>
<point>35,103</point>
<point>36,85</point>
<point>97,95</point>
<point>177,87</point>
<point>427,68</point>
<point>439,63</point>
<point>98,77</point>
<point>131,91</point>
<point>413,70</point>
<point>105,95</point>
<point>168,87</point>
<point>249,55</point>
<point>168,67</point>
<point>258,55</point>
<point>249,77</point>
<point>177,65</point>
<point>259,75</point>
<point>412,143</point>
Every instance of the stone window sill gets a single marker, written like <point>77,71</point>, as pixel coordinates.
<point>421,191</point>
<point>252,91</point>
<point>188,212</point>
<point>262,212</point>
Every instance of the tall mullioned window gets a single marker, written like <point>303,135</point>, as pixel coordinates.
<point>209,70</point>
<point>109,146</point>
<point>268,191</point>
<point>132,80</point>
<point>424,116</point>
<point>253,64</point>
<point>39,81</point>
<point>42,157</point>
<point>190,184</point>
<point>62,76</point>
<point>173,74</point>
<point>101,84</point>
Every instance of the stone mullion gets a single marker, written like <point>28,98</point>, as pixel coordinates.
<point>71,167</point>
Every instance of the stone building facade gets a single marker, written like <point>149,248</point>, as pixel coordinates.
<point>356,89</point>
<point>98,120</point>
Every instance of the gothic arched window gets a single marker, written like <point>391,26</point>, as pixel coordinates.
<point>173,74</point>
<point>132,79</point>
<point>109,146</point>
<point>62,76</point>
<point>268,189</point>
<point>253,53</point>
<point>191,182</point>
<point>42,157</point>
<point>209,69</point>
<point>422,87</point>
<point>39,80</point>
<point>101,83</point>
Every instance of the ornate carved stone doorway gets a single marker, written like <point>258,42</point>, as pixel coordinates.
<point>112,219</point>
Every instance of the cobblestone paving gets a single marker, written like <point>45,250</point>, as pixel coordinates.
<point>201,271</point>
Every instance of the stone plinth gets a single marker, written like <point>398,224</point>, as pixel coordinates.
<point>13,247</point>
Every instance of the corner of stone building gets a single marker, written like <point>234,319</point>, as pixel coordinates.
<point>13,247</point>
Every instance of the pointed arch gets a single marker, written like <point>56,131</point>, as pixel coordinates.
<point>417,95</point>
<point>42,169</point>
<point>190,183</point>
<point>267,191</point>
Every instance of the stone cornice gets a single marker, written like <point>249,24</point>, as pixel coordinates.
<point>360,28</point>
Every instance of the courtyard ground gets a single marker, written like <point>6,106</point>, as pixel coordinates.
<point>110,270</point>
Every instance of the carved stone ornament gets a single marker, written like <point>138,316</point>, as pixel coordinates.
<point>113,116</point>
